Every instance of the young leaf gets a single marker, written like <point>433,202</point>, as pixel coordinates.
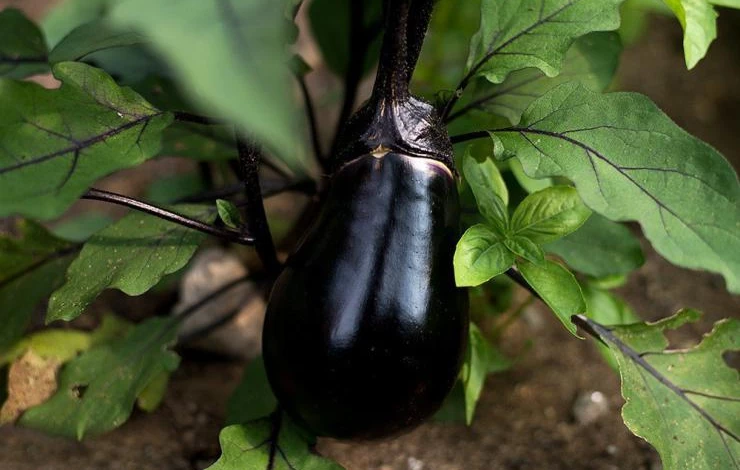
<point>132,255</point>
<point>31,267</point>
<point>97,390</point>
<point>55,143</point>
<point>488,188</point>
<point>92,37</point>
<point>630,162</point>
<point>269,443</point>
<point>686,403</point>
<point>592,61</point>
<point>232,58</point>
<point>549,214</point>
<point>525,248</point>
<point>534,33</point>
<point>22,46</point>
<point>600,248</point>
<point>699,22</point>
<point>480,255</point>
<point>229,213</point>
<point>558,289</point>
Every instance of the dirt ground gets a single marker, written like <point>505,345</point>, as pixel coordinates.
<point>525,416</point>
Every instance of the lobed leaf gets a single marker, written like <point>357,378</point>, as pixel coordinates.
<point>629,161</point>
<point>132,255</point>
<point>22,48</point>
<point>92,37</point>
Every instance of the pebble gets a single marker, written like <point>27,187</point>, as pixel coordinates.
<point>589,407</point>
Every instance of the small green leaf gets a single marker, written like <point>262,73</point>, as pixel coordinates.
<point>480,256</point>
<point>62,345</point>
<point>549,214</point>
<point>151,397</point>
<point>558,289</point>
<point>22,47</point>
<point>488,188</point>
<point>699,22</point>
<point>685,402</point>
<point>97,390</point>
<point>253,398</point>
<point>32,265</point>
<point>131,255</point>
<point>534,33</point>
<point>629,161</point>
<point>525,248</point>
<point>229,213</point>
<point>55,143</point>
<point>269,443</point>
<point>600,248</point>
<point>92,37</point>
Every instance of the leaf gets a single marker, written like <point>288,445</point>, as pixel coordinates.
<point>330,24</point>
<point>686,403</point>
<point>699,22</point>
<point>229,214</point>
<point>253,397</point>
<point>480,255</point>
<point>55,143</point>
<point>488,188</point>
<point>232,58</point>
<point>629,161</point>
<point>269,443</point>
<point>592,60</point>
<point>151,397</point>
<point>92,37</point>
<point>22,47</point>
<point>600,248</point>
<point>558,289</point>
<point>132,255</point>
<point>32,265</point>
<point>534,33</point>
<point>525,248</point>
<point>60,345</point>
<point>69,14</point>
<point>549,214</point>
<point>80,228</point>
<point>169,189</point>
<point>97,390</point>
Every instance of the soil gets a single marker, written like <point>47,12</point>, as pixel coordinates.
<point>525,416</point>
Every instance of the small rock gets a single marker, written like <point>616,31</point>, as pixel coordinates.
<point>589,407</point>
<point>415,464</point>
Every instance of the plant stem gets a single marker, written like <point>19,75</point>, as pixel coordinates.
<point>312,122</point>
<point>121,200</point>
<point>184,116</point>
<point>391,83</point>
<point>249,162</point>
<point>417,29</point>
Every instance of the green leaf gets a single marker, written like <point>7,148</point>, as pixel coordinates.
<point>525,248</point>
<point>62,345</point>
<point>600,248</point>
<point>97,390</point>
<point>229,213</point>
<point>549,214</point>
<point>32,265</point>
<point>686,403</point>
<point>55,143</point>
<point>132,255</point>
<point>80,228</point>
<point>69,14</point>
<point>592,61</point>
<point>558,289</point>
<point>269,443</point>
<point>534,33</point>
<point>480,255</point>
<point>629,161</point>
<point>699,22</point>
<point>488,187</point>
<point>90,38</point>
<point>330,24</point>
<point>253,397</point>
<point>232,58</point>
<point>151,397</point>
<point>169,189</point>
<point>530,185</point>
<point>22,47</point>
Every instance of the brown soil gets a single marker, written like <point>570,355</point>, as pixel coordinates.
<point>524,419</point>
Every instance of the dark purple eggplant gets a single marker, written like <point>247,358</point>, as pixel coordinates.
<point>365,329</point>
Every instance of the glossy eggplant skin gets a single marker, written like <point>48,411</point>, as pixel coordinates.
<point>365,329</point>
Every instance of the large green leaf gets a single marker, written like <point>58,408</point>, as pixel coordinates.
<point>629,161</point>
<point>69,14</point>
<point>518,34</point>
<point>684,402</point>
<point>271,443</point>
<point>97,390</point>
<point>132,255</point>
<point>592,61</point>
<point>480,255</point>
<point>55,143</point>
<point>231,57</point>
<point>32,265</point>
<point>549,214</point>
<point>22,47</point>
<point>90,38</point>
<point>600,248</point>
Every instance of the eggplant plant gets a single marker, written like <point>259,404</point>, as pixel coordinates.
<point>466,172</point>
